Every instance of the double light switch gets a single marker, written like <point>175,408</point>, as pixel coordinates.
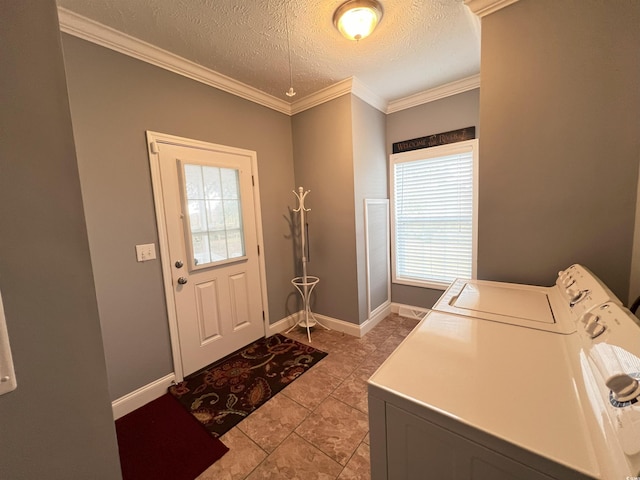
<point>146,252</point>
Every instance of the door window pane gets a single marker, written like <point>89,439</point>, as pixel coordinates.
<point>196,216</point>
<point>232,216</point>
<point>200,243</point>
<point>235,243</point>
<point>215,213</point>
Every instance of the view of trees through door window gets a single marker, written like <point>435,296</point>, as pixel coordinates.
<point>213,202</point>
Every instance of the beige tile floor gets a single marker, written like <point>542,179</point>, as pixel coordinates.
<point>317,427</point>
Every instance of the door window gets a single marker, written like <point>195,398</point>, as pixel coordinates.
<point>213,214</point>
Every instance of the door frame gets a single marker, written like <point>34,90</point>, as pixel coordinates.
<point>154,142</point>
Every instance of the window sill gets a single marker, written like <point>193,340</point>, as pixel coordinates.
<point>421,283</point>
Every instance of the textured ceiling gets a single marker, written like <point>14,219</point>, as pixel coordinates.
<point>419,45</point>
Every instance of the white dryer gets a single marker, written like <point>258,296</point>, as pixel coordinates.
<point>512,382</point>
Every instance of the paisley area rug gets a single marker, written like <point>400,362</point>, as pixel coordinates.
<point>225,392</point>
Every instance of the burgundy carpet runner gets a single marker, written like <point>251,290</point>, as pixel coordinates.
<point>161,440</point>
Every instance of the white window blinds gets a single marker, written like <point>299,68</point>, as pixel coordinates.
<point>434,214</point>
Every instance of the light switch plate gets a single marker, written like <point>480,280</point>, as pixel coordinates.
<point>146,252</point>
<point>7,375</point>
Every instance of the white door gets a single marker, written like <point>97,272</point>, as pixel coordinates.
<point>210,216</point>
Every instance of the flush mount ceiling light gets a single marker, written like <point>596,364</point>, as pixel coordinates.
<point>356,19</point>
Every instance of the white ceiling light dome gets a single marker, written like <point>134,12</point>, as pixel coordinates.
<point>356,19</point>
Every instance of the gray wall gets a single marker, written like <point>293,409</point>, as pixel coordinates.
<point>339,156</point>
<point>323,160</point>
<point>57,424</point>
<point>541,60</point>
<point>560,116</point>
<point>114,99</point>
<point>370,181</point>
<point>634,281</point>
<point>451,113</point>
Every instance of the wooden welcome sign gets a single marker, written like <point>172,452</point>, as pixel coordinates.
<point>453,136</point>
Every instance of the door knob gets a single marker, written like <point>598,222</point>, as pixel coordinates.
<point>179,264</point>
<point>182,280</point>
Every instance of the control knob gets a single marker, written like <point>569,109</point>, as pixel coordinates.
<point>576,295</point>
<point>623,387</point>
<point>593,327</point>
<point>566,280</point>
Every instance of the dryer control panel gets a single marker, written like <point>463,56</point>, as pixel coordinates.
<point>610,337</point>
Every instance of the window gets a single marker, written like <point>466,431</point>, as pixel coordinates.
<point>434,205</point>
<point>212,199</point>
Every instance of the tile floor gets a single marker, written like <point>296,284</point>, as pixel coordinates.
<point>317,427</point>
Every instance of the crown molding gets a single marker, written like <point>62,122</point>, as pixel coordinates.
<point>321,96</point>
<point>482,8</point>
<point>453,88</point>
<point>363,92</point>
<point>349,85</point>
<point>94,32</point>
<point>100,34</point>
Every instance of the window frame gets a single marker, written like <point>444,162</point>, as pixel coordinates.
<point>425,154</point>
<point>188,232</point>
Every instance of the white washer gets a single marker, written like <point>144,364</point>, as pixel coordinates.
<point>492,391</point>
<point>553,309</point>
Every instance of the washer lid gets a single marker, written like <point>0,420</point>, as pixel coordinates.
<point>478,298</point>
<point>522,305</point>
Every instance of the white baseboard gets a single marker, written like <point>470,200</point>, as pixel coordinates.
<point>335,324</point>
<point>283,324</point>
<point>379,314</point>
<point>332,323</point>
<point>141,396</point>
<point>339,325</point>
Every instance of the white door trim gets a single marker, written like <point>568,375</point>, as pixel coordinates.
<point>154,140</point>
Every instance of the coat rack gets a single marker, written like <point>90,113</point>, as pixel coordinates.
<point>306,283</point>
